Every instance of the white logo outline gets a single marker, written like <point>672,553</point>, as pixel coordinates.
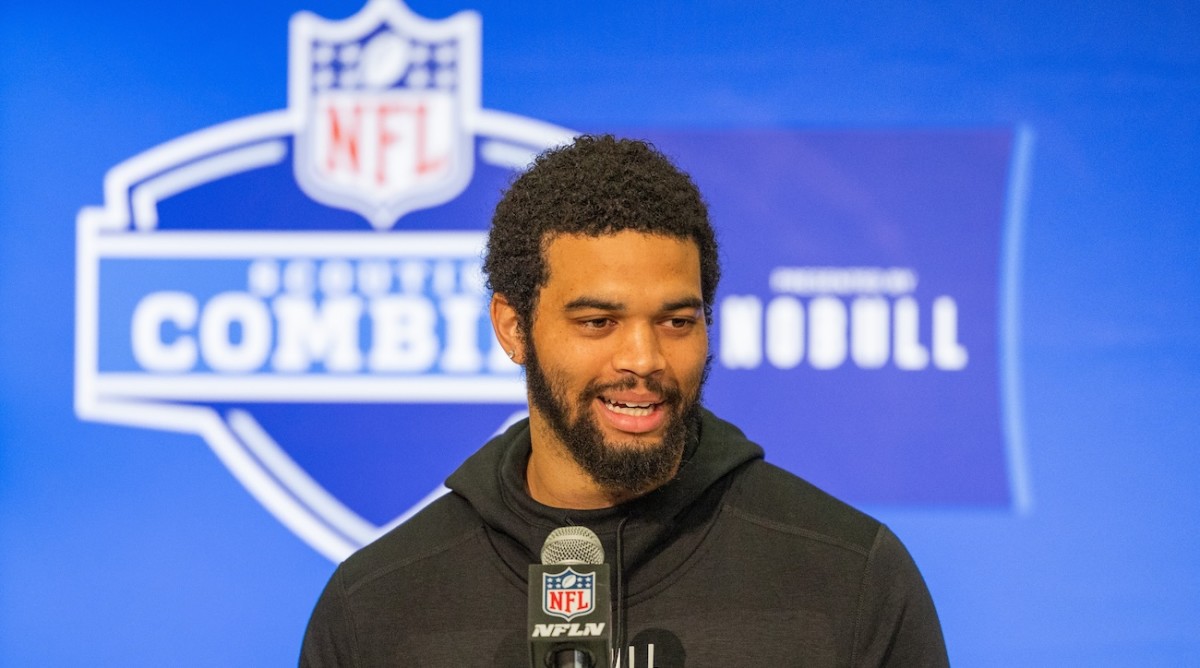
<point>126,225</point>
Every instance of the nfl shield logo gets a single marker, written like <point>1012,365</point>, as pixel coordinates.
<point>568,594</point>
<point>338,367</point>
<point>387,101</point>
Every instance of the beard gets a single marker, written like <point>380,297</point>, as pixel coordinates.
<point>619,468</point>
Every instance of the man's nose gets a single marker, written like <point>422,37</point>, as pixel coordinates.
<point>639,351</point>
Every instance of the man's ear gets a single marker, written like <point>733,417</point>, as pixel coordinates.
<point>507,327</point>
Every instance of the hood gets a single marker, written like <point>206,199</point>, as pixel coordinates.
<point>661,529</point>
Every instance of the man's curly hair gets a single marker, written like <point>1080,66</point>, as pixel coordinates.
<point>597,185</point>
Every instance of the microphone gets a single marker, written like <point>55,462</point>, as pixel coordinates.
<point>570,612</point>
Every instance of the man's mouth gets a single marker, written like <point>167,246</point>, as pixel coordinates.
<point>634,409</point>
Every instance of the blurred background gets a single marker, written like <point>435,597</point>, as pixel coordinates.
<point>1074,540</point>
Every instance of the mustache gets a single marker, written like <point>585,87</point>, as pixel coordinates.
<point>669,391</point>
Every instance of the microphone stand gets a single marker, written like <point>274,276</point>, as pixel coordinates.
<point>572,658</point>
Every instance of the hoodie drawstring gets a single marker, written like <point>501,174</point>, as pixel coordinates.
<point>619,576</point>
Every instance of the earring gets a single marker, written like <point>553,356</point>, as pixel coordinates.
<point>511,354</point>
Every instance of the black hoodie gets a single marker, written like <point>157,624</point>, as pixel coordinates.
<point>735,562</point>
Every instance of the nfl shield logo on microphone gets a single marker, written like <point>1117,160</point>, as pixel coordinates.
<point>568,594</point>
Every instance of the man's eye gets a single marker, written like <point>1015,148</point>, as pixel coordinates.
<point>680,323</point>
<point>597,323</point>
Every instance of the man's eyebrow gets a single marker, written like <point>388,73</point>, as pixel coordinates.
<point>686,302</point>
<point>581,303</point>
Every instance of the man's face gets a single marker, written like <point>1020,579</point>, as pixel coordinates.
<point>617,354</point>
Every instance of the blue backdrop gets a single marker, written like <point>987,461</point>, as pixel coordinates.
<point>123,546</point>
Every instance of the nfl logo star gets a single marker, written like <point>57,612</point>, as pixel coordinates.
<point>388,101</point>
<point>568,594</point>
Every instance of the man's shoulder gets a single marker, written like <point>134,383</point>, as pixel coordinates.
<point>441,527</point>
<point>777,499</point>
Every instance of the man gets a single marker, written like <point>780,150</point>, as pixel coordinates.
<point>604,268</point>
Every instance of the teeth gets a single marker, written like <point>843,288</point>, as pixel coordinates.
<point>638,410</point>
